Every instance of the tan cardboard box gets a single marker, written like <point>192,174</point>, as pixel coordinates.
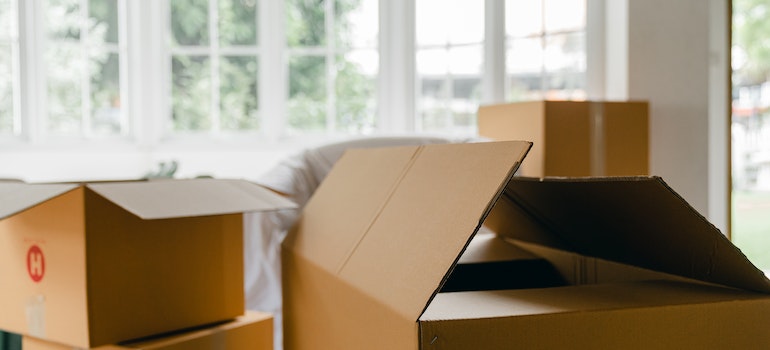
<point>365,264</point>
<point>252,331</point>
<point>94,264</point>
<point>574,138</point>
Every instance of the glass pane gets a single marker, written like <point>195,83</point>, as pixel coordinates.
<point>305,23</point>
<point>237,22</point>
<point>524,68</point>
<point>523,18</point>
<point>239,106</point>
<point>64,71</point>
<point>104,16</point>
<point>6,90</point>
<point>565,52</point>
<point>440,22</point>
<point>307,93</point>
<point>466,60</point>
<point>356,89</point>
<point>190,22</point>
<point>432,62</point>
<point>105,94</point>
<point>357,23</point>
<point>191,92</point>
<point>63,19</point>
<point>565,86</point>
<point>565,15</point>
<point>6,20</point>
<point>750,130</point>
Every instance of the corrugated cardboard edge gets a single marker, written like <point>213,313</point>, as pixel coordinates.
<point>191,197</point>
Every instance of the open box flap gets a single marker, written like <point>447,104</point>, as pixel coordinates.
<point>187,198</point>
<point>637,221</point>
<point>16,197</point>
<point>392,222</point>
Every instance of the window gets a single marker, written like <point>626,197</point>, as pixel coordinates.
<point>545,49</point>
<point>214,65</point>
<point>9,124</point>
<point>450,62</point>
<point>333,65</point>
<point>157,78</point>
<point>81,55</point>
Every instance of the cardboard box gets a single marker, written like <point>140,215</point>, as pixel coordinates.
<point>574,138</point>
<point>94,264</point>
<point>252,331</point>
<point>365,263</point>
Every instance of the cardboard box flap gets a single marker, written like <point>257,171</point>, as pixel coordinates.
<point>420,208</point>
<point>16,197</point>
<point>186,198</point>
<point>637,221</point>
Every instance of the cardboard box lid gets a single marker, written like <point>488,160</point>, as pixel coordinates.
<point>637,221</point>
<point>155,199</point>
<point>391,222</point>
<point>16,197</point>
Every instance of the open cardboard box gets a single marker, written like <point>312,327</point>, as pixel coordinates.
<point>252,331</point>
<point>100,263</point>
<point>638,268</point>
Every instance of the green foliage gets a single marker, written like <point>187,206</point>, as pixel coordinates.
<point>752,23</point>
<point>189,22</point>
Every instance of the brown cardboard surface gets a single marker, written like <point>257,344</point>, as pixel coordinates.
<point>79,269</point>
<point>635,221</point>
<point>574,138</point>
<point>386,263</point>
<point>19,196</point>
<point>617,236</point>
<point>636,315</point>
<point>252,331</point>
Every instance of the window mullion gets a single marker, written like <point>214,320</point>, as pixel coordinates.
<point>85,78</point>
<point>331,75</point>
<point>397,80</point>
<point>494,74</point>
<point>273,69</point>
<point>34,101</point>
<point>216,126</point>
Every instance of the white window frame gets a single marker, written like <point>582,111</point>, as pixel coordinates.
<point>148,100</point>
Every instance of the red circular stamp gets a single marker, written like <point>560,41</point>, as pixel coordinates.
<point>35,263</point>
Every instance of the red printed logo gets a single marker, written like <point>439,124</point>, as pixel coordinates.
<point>35,263</point>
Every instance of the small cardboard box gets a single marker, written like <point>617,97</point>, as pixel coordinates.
<point>252,331</point>
<point>574,138</point>
<point>365,264</point>
<point>93,264</point>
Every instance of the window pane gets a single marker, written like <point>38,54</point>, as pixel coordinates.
<point>238,93</point>
<point>65,71</point>
<point>191,92</point>
<point>105,94</point>
<point>307,93</point>
<point>6,90</point>
<point>104,16</point>
<point>356,86</point>
<point>565,66</point>
<point>523,18</point>
<point>440,22</point>
<point>524,69</point>
<point>189,22</point>
<point>237,22</point>
<point>63,19</point>
<point>358,23</point>
<point>305,23</point>
<point>6,20</point>
<point>564,15</point>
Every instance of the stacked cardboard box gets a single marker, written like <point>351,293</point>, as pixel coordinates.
<point>639,268</point>
<point>87,265</point>
<point>574,138</point>
<point>253,330</point>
